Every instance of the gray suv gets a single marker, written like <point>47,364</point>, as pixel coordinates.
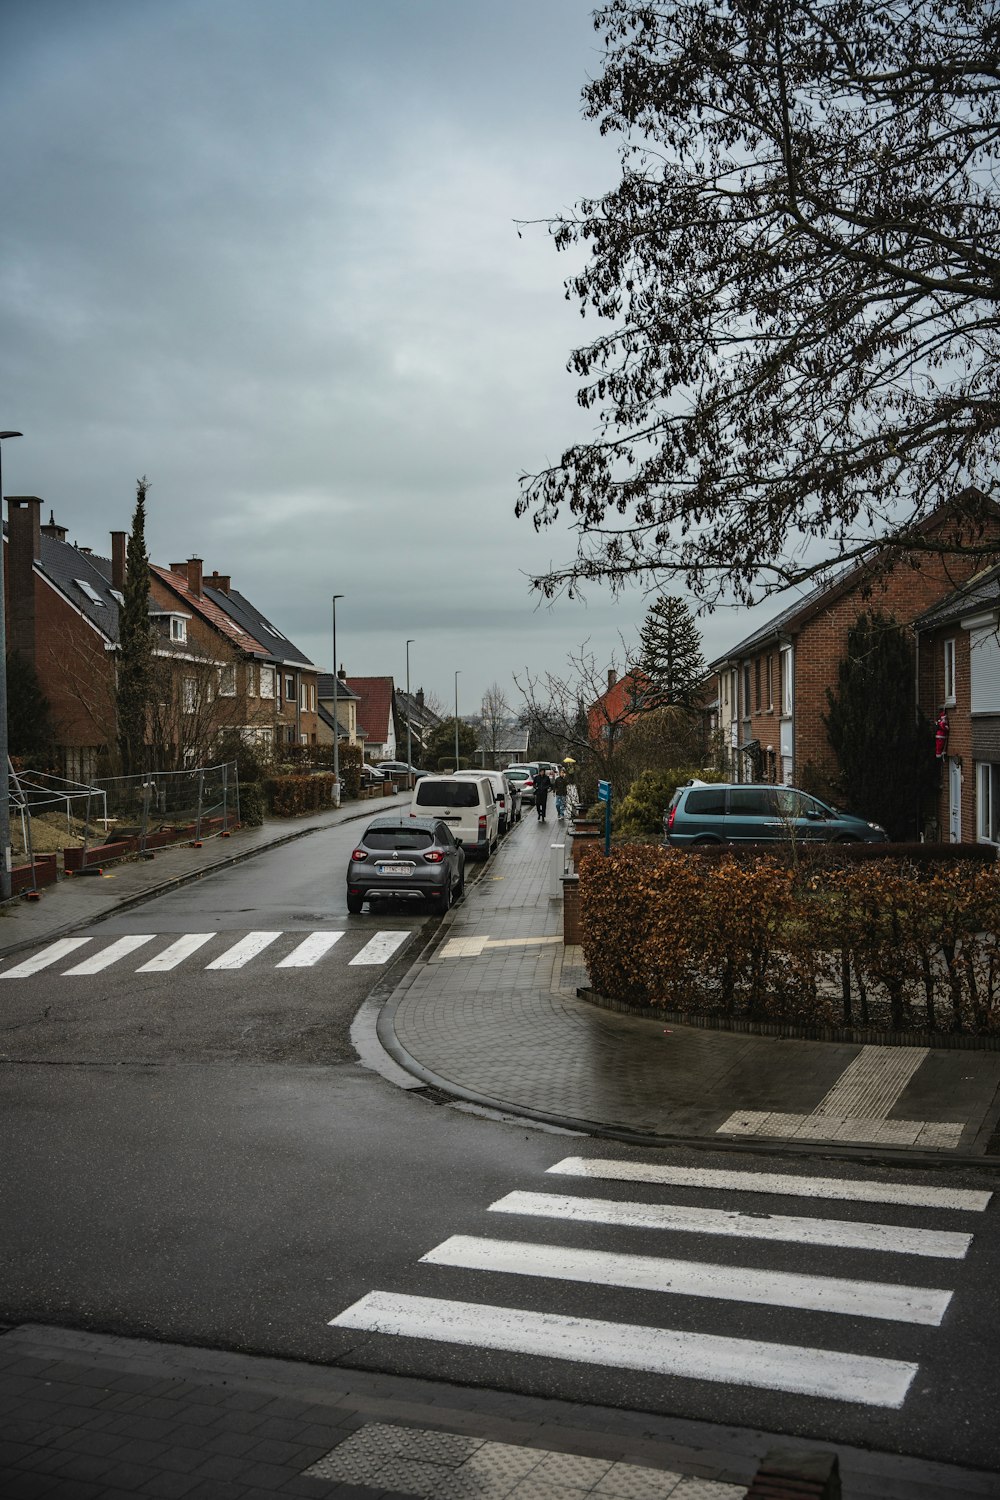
<point>736,813</point>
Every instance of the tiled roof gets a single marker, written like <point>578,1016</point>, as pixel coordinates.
<point>277,647</point>
<point>210,611</point>
<point>324,688</point>
<point>981,592</point>
<point>374,705</point>
<point>67,567</point>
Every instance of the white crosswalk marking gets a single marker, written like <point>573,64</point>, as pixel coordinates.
<point>50,955</point>
<point>381,948</point>
<point>310,950</point>
<point>793,1296</point>
<point>661,1351</point>
<point>904,1193</point>
<point>242,952</point>
<point>860,1299</point>
<point>841,1234</point>
<point>176,953</point>
<point>110,955</point>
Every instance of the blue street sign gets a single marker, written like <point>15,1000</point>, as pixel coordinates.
<point>604,791</point>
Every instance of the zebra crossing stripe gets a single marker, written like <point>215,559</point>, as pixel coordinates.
<point>662,1351</point>
<point>310,950</point>
<point>50,955</point>
<point>176,953</point>
<point>861,1299</point>
<point>242,952</point>
<point>841,1234</point>
<point>110,955</point>
<point>381,948</point>
<point>910,1195</point>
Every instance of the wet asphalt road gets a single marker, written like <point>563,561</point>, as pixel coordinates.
<point>196,1156</point>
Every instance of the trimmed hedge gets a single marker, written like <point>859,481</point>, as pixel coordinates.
<point>839,940</point>
<point>289,796</point>
<point>252,805</point>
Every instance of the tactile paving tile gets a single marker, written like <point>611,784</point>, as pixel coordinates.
<point>707,1489</point>
<point>630,1482</point>
<point>572,1469</point>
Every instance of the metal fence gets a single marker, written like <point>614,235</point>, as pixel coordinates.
<point>108,809</point>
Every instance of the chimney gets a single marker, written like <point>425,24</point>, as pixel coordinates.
<point>419,697</point>
<point>220,581</point>
<point>58,533</point>
<point>118,561</point>
<point>194,576</point>
<point>612,678</point>
<point>24,532</point>
<point>85,550</point>
<point>341,674</point>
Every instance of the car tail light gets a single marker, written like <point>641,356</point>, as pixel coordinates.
<point>482,827</point>
<point>359,854</point>
<point>434,857</point>
<point>529,785</point>
<point>670,819</point>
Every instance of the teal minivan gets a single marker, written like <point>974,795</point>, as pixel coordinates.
<point>703,812</point>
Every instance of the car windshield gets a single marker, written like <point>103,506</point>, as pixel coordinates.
<point>517,775</point>
<point>398,838</point>
<point>447,794</point>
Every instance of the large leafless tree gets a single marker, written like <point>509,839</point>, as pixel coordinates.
<point>798,275</point>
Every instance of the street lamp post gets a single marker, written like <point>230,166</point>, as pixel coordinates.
<point>336,721</point>
<point>4,776</point>
<point>456,721</point>
<point>409,709</point>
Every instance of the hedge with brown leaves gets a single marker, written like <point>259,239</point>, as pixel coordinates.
<point>886,944</point>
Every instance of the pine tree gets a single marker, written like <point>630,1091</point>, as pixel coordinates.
<point>133,692</point>
<point>670,654</point>
<point>884,750</point>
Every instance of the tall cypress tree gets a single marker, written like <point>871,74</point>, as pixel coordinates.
<point>133,693</point>
<point>884,750</point>
<point>670,654</point>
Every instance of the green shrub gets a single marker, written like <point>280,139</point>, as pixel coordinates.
<point>252,805</point>
<point>289,796</point>
<point>349,759</point>
<point>641,811</point>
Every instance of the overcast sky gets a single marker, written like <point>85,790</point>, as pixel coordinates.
<point>264,252</point>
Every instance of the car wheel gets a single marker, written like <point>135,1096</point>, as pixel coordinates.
<point>443,900</point>
<point>706,843</point>
<point>354,904</point>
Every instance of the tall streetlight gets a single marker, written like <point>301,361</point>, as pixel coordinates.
<point>456,721</point>
<point>409,709</point>
<point>4,777</point>
<point>336,721</point>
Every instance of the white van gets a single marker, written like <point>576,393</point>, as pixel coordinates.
<point>468,806</point>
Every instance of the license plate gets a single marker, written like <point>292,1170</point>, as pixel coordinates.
<point>397,869</point>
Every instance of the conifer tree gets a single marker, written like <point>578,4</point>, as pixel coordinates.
<point>133,692</point>
<point>884,750</point>
<point>30,731</point>
<point>670,654</point>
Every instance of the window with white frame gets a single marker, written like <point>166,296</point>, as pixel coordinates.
<point>988,803</point>
<point>289,689</point>
<point>949,672</point>
<point>189,694</point>
<point>312,697</point>
<point>178,628</point>
<point>227,681</point>
<point>303,697</point>
<point>251,680</point>
<point>267,682</point>
<point>785,666</point>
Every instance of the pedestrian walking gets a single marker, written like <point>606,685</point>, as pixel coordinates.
<point>542,788</point>
<point>560,787</point>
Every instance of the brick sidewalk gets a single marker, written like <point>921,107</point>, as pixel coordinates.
<point>493,1016</point>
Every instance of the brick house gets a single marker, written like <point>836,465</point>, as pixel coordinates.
<point>772,685</point>
<point>958,673</point>
<point>346,708</point>
<point>412,709</point>
<point>621,703</point>
<point>376,725</point>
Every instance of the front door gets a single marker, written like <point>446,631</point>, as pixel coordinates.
<point>954,802</point>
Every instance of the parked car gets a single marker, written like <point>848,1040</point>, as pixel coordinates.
<point>523,776</point>
<point>407,857</point>
<point>730,813</point>
<point>467,804</point>
<point>394,768</point>
<point>508,797</point>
